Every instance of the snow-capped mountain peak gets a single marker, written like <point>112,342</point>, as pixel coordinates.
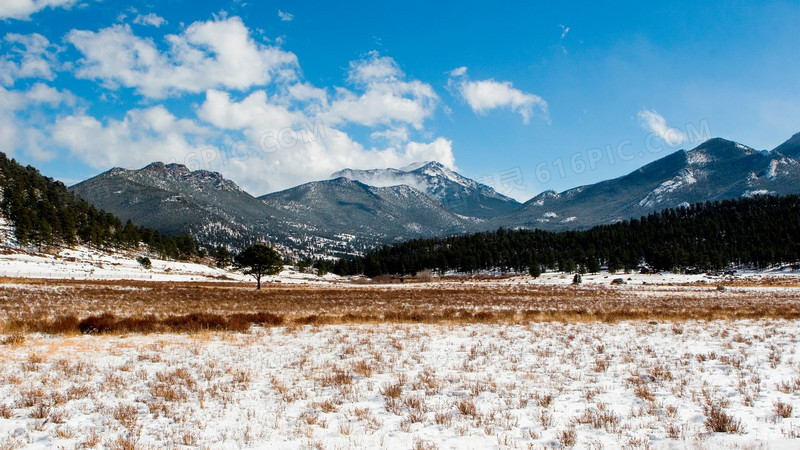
<point>455,192</point>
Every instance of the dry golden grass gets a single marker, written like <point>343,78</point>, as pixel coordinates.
<point>65,306</point>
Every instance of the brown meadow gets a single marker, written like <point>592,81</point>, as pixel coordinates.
<point>65,306</point>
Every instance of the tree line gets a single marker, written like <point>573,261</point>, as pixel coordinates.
<point>45,213</point>
<point>758,232</point>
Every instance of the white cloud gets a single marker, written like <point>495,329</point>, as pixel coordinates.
<point>30,56</point>
<point>22,124</point>
<point>213,54</point>
<point>440,150</point>
<point>252,98</point>
<point>458,71</point>
<point>386,99</point>
<point>254,114</point>
<point>374,69</point>
<point>141,137</point>
<point>41,94</point>
<point>152,19</point>
<point>652,121</point>
<point>285,16</point>
<point>564,31</point>
<point>486,95</point>
<point>22,9</point>
<point>393,136</point>
<point>38,95</point>
<point>266,143</point>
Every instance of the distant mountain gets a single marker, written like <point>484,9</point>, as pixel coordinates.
<point>175,200</point>
<point>335,217</point>
<point>456,193</point>
<point>44,213</point>
<point>790,148</point>
<point>360,209</point>
<point>342,211</point>
<point>715,170</point>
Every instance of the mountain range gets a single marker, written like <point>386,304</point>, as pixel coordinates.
<point>717,169</point>
<point>357,210</point>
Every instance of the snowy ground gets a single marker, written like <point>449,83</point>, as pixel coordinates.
<point>84,263</point>
<point>367,379</point>
<point>596,385</point>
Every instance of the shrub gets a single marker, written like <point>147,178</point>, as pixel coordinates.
<point>783,410</point>
<point>104,323</point>
<point>425,275</point>
<point>717,420</point>
<point>144,261</point>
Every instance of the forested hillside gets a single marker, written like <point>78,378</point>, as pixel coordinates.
<point>44,213</point>
<point>758,232</point>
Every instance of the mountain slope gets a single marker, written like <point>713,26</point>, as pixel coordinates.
<point>334,217</point>
<point>715,170</point>
<point>175,200</point>
<point>455,192</point>
<point>360,209</point>
<point>746,232</point>
<point>43,212</point>
<point>343,210</point>
<point>790,148</point>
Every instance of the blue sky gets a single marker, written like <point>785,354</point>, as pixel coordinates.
<point>521,96</point>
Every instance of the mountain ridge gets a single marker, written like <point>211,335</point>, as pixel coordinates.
<point>356,209</point>
<point>717,169</point>
<point>457,193</point>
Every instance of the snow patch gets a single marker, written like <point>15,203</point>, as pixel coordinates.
<point>755,193</point>
<point>698,158</point>
<point>684,178</point>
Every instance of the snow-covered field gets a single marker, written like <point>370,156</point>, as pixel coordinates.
<point>513,362</point>
<point>84,263</point>
<point>547,384</point>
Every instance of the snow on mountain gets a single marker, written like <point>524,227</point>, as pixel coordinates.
<point>698,158</point>
<point>717,169</point>
<point>455,192</point>
<point>426,199</point>
<point>684,179</point>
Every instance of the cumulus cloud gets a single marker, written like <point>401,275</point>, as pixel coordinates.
<point>22,9</point>
<point>266,142</point>
<point>386,97</point>
<point>652,121</point>
<point>285,16</point>
<point>207,55</point>
<point>254,114</point>
<point>141,137</point>
<point>317,159</point>
<point>39,94</point>
<point>311,152</point>
<point>152,19</point>
<point>486,95</point>
<point>28,56</point>
<point>392,136</point>
<point>258,124</point>
<point>374,69</point>
<point>23,130</point>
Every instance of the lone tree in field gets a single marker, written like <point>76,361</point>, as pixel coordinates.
<point>258,260</point>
